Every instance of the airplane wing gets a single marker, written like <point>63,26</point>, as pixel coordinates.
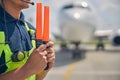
<point>112,35</point>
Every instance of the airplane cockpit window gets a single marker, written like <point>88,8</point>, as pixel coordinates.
<point>76,6</point>
<point>68,6</point>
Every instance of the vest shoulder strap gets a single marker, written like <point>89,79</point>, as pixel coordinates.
<point>31,31</point>
<point>2,37</point>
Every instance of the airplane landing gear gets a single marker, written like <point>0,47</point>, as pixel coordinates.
<point>100,45</point>
<point>77,53</point>
<point>63,46</point>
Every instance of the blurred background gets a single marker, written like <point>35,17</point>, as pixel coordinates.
<point>87,38</point>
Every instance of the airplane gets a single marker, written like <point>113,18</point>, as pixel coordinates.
<point>112,35</point>
<point>77,24</point>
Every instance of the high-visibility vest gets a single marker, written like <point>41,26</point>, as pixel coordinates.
<point>7,64</point>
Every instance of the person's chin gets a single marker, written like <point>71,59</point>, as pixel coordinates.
<point>25,6</point>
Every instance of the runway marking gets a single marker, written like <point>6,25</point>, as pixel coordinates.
<point>69,71</point>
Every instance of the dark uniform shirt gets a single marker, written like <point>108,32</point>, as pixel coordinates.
<point>16,33</point>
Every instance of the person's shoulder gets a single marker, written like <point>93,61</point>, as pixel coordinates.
<point>30,26</point>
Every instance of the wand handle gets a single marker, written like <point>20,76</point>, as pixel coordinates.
<point>47,67</point>
<point>38,42</point>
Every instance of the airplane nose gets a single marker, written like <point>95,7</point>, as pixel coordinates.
<point>76,15</point>
<point>71,15</point>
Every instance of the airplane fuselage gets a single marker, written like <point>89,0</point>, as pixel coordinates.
<point>77,23</point>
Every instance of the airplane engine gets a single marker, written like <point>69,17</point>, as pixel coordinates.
<point>77,22</point>
<point>115,40</point>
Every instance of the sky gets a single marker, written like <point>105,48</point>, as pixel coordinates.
<point>108,12</point>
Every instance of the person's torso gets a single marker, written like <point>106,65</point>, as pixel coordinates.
<point>17,38</point>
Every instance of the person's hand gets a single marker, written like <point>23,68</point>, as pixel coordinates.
<point>50,54</point>
<point>37,60</point>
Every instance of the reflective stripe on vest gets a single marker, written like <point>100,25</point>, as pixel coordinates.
<point>6,63</point>
<point>32,32</point>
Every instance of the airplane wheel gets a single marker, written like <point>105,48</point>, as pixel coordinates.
<point>100,46</point>
<point>63,46</point>
<point>78,54</point>
<point>75,54</point>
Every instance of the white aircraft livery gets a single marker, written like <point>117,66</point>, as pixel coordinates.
<point>77,22</point>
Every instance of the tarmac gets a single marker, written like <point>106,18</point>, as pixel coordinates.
<point>89,65</point>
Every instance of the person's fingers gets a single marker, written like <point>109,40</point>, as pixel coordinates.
<point>44,53</point>
<point>42,47</point>
<point>50,55</point>
<point>45,46</point>
<point>50,44</point>
<point>51,64</point>
<point>52,59</point>
<point>50,50</point>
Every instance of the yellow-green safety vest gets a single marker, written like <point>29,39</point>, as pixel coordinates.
<point>8,53</point>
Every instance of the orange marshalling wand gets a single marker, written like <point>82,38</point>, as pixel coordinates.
<point>42,38</point>
<point>38,24</point>
<point>39,21</point>
<point>46,24</point>
<point>46,28</point>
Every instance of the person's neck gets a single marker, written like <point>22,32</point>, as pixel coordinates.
<point>12,10</point>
